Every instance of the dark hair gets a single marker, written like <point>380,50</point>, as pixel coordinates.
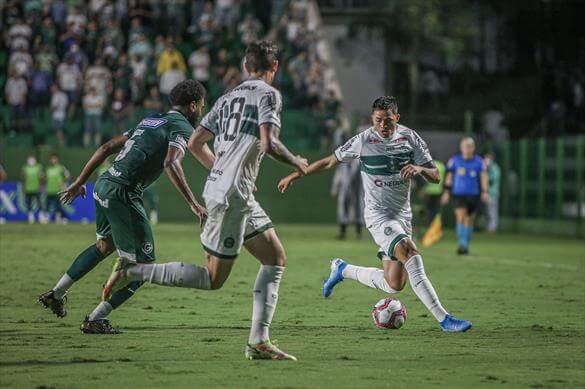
<point>187,91</point>
<point>385,103</point>
<point>260,56</point>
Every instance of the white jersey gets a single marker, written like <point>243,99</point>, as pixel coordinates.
<point>235,121</point>
<point>387,195</point>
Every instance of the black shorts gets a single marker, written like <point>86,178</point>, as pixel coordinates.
<point>471,203</point>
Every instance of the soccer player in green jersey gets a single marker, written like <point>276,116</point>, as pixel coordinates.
<point>33,176</point>
<point>56,177</point>
<point>157,143</point>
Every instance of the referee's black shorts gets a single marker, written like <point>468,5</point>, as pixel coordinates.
<point>471,203</point>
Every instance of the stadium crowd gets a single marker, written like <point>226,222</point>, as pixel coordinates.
<point>103,62</point>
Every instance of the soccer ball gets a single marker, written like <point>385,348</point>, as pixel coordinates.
<point>389,313</point>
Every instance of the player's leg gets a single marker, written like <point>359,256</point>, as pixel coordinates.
<point>407,253</point>
<point>28,197</point>
<point>82,264</point>
<point>267,248</point>
<point>461,218</point>
<point>473,203</point>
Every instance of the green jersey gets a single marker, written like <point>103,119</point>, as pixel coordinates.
<point>55,176</point>
<point>32,177</point>
<point>141,160</point>
<point>436,189</point>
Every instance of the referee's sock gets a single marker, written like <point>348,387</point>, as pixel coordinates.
<point>461,235</point>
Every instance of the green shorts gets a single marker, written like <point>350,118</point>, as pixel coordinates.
<point>120,213</point>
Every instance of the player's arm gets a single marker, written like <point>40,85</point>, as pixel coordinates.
<point>316,167</point>
<point>271,145</point>
<point>199,148</point>
<point>77,188</point>
<point>173,165</point>
<point>447,187</point>
<point>485,185</point>
<point>428,171</point>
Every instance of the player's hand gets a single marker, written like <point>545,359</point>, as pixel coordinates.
<point>201,213</point>
<point>302,165</point>
<point>485,197</point>
<point>68,195</point>
<point>445,198</point>
<point>284,183</point>
<point>410,171</point>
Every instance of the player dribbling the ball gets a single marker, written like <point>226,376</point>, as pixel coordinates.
<point>390,155</point>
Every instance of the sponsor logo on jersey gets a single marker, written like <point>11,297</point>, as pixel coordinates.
<point>229,242</point>
<point>152,122</point>
<point>147,247</point>
<point>114,172</point>
<point>217,171</point>
<point>373,141</point>
<point>388,184</point>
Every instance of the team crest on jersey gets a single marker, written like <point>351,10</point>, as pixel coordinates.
<point>152,122</point>
<point>229,242</point>
<point>147,247</point>
<point>387,231</point>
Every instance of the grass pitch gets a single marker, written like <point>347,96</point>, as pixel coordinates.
<point>524,294</point>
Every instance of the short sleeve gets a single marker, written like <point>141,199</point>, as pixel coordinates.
<point>211,121</point>
<point>179,136</point>
<point>451,164</point>
<point>421,151</point>
<point>269,108</point>
<point>129,133</point>
<point>350,150</point>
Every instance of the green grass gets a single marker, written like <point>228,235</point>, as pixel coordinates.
<point>524,294</point>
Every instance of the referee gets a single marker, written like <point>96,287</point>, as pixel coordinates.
<point>467,181</point>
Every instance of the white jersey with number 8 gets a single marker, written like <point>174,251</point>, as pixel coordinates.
<point>235,121</point>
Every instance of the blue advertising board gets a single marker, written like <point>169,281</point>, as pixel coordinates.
<point>13,205</point>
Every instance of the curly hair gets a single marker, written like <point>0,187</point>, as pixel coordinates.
<point>187,91</point>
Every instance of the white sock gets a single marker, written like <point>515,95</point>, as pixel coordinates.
<point>101,311</point>
<point>368,276</point>
<point>171,274</point>
<point>265,297</point>
<point>423,288</point>
<point>62,286</point>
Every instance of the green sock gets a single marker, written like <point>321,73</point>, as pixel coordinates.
<point>87,260</point>
<point>120,296</point>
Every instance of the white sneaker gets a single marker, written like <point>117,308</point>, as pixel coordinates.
<point>267,350</point>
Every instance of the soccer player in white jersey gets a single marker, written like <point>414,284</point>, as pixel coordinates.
<point>245,125</point>
<point>390,155</point>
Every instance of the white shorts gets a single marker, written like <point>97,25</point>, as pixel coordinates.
<point>387,233</point>
<point>228,227</point>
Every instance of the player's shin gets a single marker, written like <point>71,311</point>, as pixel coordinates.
<point>172,274</point>
<point>265,297</point>
<point>423,288</point>
<point>368,276</point>
<point>83,264</point>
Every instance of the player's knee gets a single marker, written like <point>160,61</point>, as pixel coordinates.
<point>105,246</point>
<point>280,258</point>
<point>397,285</point>
<point>405,250</point>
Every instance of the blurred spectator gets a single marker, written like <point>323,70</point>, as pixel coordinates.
<point>171,77</point>
<point>493,126</point>
<point>121,111</point>
<point>16,91</point>
<point>76,20</point>
<point>19,35</point>
<point>123,74</point>
<point>199,62</point>
<point>139,72</point>
<point>59,12</point>
<point>92,42</point>
<point>46,59</point>
<point>69,79</point>
<point>59,105</point>
<point>112,36</point>
<point>40,89</point>
<point>93,107</point>
<point>170,58</point>
<point>99,77</point>
<point>21,61</point>
<point>494,176</point>
<point>226,12</point>
<point>141,47</point>
<point>249,29</point>
<point>78,56</point>
<point>48,33</point>
<point>152,103</point>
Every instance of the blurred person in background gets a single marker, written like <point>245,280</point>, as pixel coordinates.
<point>32,179</point>
<point>152,103</point>
<point>56,179</point>
<point>169,78</point>
<point>93,107</point>
<point>346,187</point>
<point>59,103</point>
<point>69,78</point>
<point>493,207</point>
<point>200,62</point>
<point>170,58</point>
<point>16,90</point>
<point>98,76</point>
<point>467,180</point>
<point>121,111</point>
<point>40,90</point>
